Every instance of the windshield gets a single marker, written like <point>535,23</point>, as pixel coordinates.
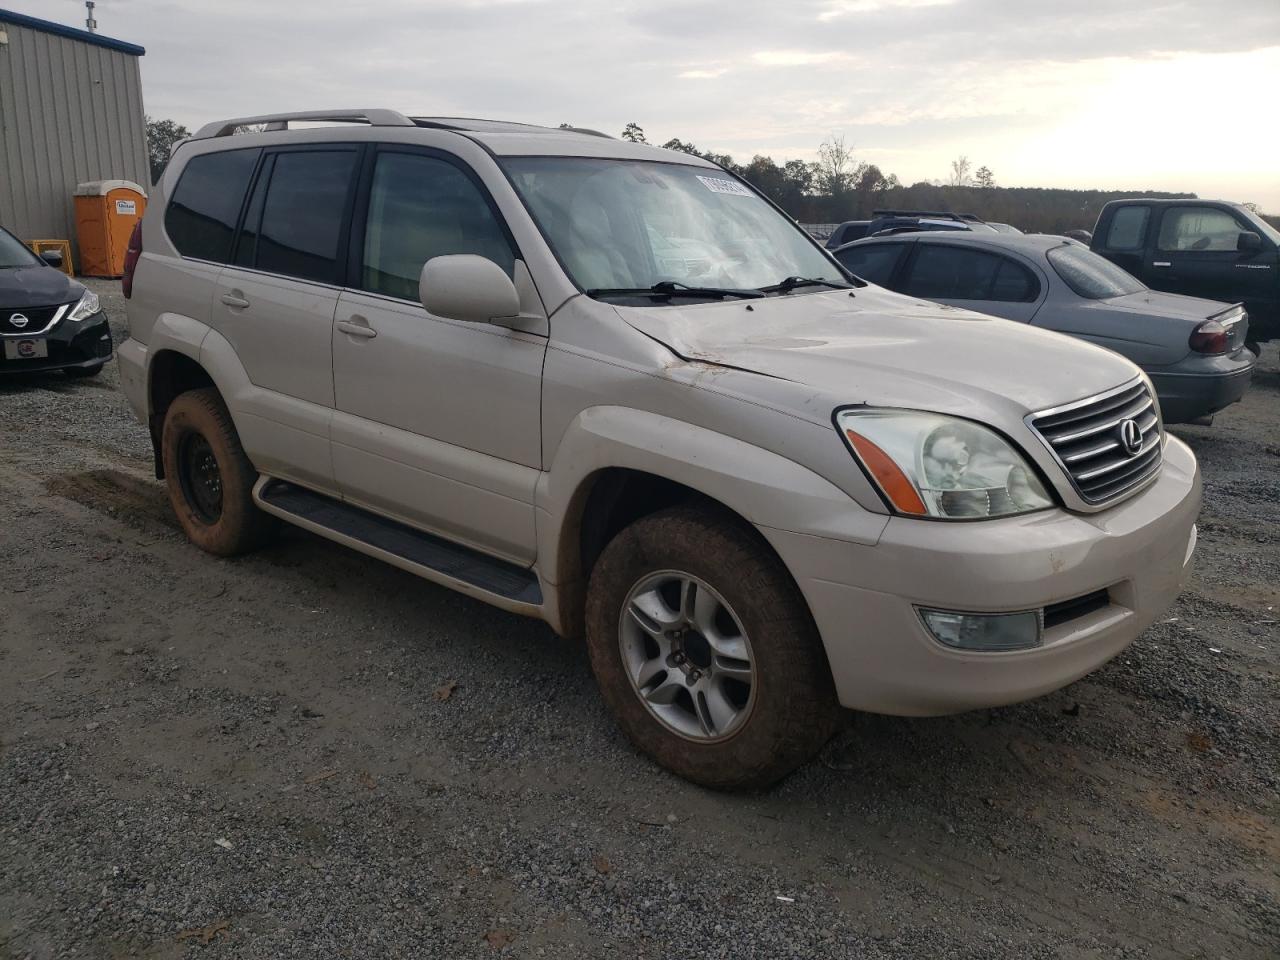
<point>1090,275</point>
<point>628,225</point>
<point>13,253</point>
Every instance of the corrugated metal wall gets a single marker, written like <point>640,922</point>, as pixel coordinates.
<point>70,111</point>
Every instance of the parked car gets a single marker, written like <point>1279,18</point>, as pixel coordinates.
<point>847,232</point>
<point>448,344</point>
<point>47,320</point>
<point>1202,248</point>
<point>1193,350</point>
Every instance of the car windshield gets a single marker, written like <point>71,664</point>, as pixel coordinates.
<point>624,225</point>
<point>1090,275</point>
<point>13,253</point>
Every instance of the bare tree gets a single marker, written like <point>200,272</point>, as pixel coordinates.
<point>985,178</point>
<point>836,172</point>
<point>960,171</point>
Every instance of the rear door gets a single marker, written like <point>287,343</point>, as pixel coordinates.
<point>276,300</point>
<point>1196,255</point>
<point>1124,242</point>
<point>982,280</point>
<point>876,263</point>
<point>438,421</point>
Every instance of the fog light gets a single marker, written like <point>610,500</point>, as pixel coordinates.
<point>980,631</point>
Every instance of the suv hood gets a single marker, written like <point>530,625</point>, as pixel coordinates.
<point>885,349</point>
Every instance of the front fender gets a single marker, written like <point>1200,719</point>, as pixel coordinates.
<point>761,486</point>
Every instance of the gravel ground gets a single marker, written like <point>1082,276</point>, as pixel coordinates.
<point>308,753</point>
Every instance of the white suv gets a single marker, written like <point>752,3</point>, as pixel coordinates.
<point>613,387</point>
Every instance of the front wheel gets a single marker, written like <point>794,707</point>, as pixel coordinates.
<point>210,478</point>
<point>705,651</point>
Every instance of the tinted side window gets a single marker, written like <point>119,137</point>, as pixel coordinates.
<point>422,207</point>
<point>874,261</point>
<point>1198,228</point>
<point>1014,283</point>
<point>201,218</point>
<point>303,212</point>
<point>1128,228</point>
<point>943,272</point>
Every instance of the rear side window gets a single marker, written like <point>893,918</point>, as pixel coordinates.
<point>1128,229</point>
<point>1198,228</point>
<point>422,207</point>
<point>944,272</point>
<point>201,218</point>
<point>873,261</point>
<point>302,214</point>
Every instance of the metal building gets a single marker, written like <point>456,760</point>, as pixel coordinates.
<point>70,111</point>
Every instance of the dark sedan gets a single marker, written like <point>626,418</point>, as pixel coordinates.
<point>47,320</point>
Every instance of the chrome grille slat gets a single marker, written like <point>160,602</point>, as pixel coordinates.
<point>1113,418</point>
<point>1085,439</point>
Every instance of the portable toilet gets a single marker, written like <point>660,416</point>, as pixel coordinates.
<point>106,212</point>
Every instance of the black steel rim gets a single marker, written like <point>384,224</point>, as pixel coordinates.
<point>200,477</point>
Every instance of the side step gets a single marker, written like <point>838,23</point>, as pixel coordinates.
<point>422,553</point>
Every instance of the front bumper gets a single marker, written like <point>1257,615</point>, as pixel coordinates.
<point>81,343</point>
<point>865,599</point>
<point>1187,395</point>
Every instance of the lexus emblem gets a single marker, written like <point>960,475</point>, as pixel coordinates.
<point>18,320</point>
<point>1131,437</point>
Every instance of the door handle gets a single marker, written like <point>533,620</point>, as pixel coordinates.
<point>1162,263</point>
<point>231,300</point>
<point>357,329</point>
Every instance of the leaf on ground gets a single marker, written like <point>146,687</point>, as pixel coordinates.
<point>1198,742</point>
<point>601,863</point>
<point>365,779</point>
<point>444,693</point>
<point>498,939</point>
<point>206,934</point>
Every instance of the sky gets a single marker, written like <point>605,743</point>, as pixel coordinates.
<point>1173,95</point>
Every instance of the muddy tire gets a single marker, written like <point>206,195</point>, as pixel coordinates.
<point>705,651</point>
<point>210,479</point>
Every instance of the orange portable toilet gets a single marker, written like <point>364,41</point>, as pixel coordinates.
<point>106,212</point>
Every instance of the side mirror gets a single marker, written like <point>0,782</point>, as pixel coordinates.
<point>1248,242</point>
<point>52,257</point>
<point>463,286</point>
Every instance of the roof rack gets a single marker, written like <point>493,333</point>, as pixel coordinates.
<point>935,214</point>
<point>281,121</point>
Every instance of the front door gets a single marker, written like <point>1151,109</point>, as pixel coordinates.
<point>1196,255</point>
<point>980,280</point>
<point>438,421</point>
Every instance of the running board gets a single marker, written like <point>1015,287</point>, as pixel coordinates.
<point>422,553</point>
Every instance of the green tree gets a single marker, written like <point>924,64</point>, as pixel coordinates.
<point>984,178</point>
<point>161,136</point>
<point>634,132</point>
<point>679,145</point>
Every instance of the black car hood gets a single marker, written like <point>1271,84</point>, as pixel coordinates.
<point>36,286</point>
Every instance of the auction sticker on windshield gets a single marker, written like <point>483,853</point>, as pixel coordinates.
<point>732,187</point>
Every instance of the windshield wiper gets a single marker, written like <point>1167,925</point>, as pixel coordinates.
<point>790,283</point>
<point>673,288</point>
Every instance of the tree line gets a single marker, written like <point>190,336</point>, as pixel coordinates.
<point>838,187</point>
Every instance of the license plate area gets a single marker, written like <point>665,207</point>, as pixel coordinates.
<point>34,348</point>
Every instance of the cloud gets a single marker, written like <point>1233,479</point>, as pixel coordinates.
<point>843,8</point>
<point>708,74</point>
<point>796,58</point>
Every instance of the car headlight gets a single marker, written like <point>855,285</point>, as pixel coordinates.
<point>86,308</point>
<point>929,465</point>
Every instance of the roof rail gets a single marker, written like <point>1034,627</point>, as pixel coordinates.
<point>936,214</point>
<point>281,121</point>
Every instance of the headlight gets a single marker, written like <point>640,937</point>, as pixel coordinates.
<point>929,465</point>
<point>86,308</point>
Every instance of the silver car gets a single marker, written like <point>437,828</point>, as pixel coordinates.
<point>1193,350</point>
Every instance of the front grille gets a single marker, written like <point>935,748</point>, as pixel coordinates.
<point>1086,439</point>
<point>37,318</point>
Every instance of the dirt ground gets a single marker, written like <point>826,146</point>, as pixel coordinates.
<point>307,753</point>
